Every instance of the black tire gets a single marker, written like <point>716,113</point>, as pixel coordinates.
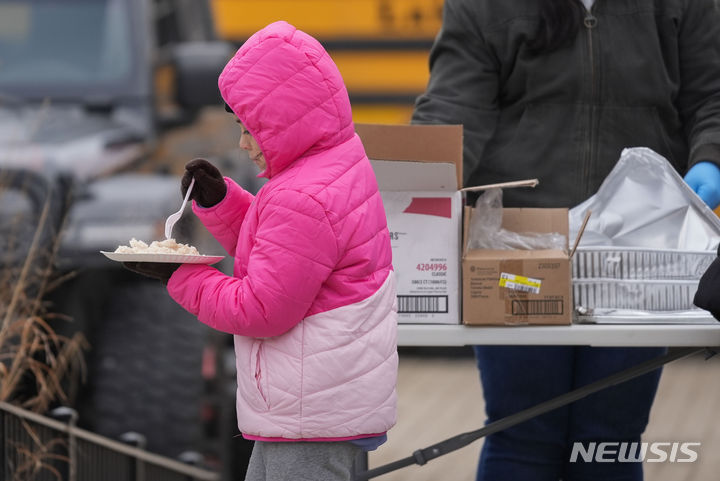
<point>145,369</point>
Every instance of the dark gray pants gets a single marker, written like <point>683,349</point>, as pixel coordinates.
<point>302,461</point>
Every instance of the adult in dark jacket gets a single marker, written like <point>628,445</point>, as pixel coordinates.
<point>554,90</point>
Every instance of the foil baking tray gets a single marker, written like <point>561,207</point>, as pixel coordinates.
<point>640,263</point>
<point>637,278</point>
<point>647,242</point>
<point>646,295</point>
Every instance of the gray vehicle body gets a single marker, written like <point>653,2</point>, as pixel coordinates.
<point>79,118</point>
<point>79,102</point>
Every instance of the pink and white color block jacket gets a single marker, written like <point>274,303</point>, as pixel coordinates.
<point>312,300</point>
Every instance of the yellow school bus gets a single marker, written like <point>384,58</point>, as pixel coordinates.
<point>380,46</point>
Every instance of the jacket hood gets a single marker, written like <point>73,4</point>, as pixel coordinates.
<point>286,90</point>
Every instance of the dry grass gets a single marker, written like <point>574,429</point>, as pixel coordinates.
<point>36,364</point>
<point>38,459</point>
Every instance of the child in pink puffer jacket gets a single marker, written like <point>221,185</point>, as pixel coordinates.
<point>311,302</point>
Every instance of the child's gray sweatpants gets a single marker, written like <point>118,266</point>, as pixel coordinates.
<point>302,461</point>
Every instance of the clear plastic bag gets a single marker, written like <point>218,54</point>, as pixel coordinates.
<point>485,231</point>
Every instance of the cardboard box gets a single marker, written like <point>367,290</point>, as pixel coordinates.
<point>419,171</point>
<point>519,287</point>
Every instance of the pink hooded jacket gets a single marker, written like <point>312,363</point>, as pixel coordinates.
<point>312,300</point>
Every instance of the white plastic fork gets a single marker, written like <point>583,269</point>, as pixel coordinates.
<point>173,218</point>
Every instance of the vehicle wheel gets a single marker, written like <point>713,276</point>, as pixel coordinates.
<point>145,370</point>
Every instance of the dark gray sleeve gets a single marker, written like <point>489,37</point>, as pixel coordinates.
<point>463,85</point>
<point>699,96</point>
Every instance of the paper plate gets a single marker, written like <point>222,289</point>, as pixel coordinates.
<point>175,258</point>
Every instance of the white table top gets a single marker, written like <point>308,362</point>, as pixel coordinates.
<point>706,334</point>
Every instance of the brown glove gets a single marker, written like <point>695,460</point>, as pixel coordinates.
<point>209,188</point>
<point>157,270</point>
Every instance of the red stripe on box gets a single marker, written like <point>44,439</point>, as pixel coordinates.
<point>439,206</point>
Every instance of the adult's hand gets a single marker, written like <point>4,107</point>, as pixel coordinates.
<point>704,179</point>
<point>156,270</point>
<point>209,188</point>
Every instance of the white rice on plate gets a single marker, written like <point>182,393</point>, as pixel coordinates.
<point>167,246</point>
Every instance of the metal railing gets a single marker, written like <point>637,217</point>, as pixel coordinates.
<point>38,448</point>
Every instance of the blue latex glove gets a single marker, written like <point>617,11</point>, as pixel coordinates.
<point>704,179</point>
